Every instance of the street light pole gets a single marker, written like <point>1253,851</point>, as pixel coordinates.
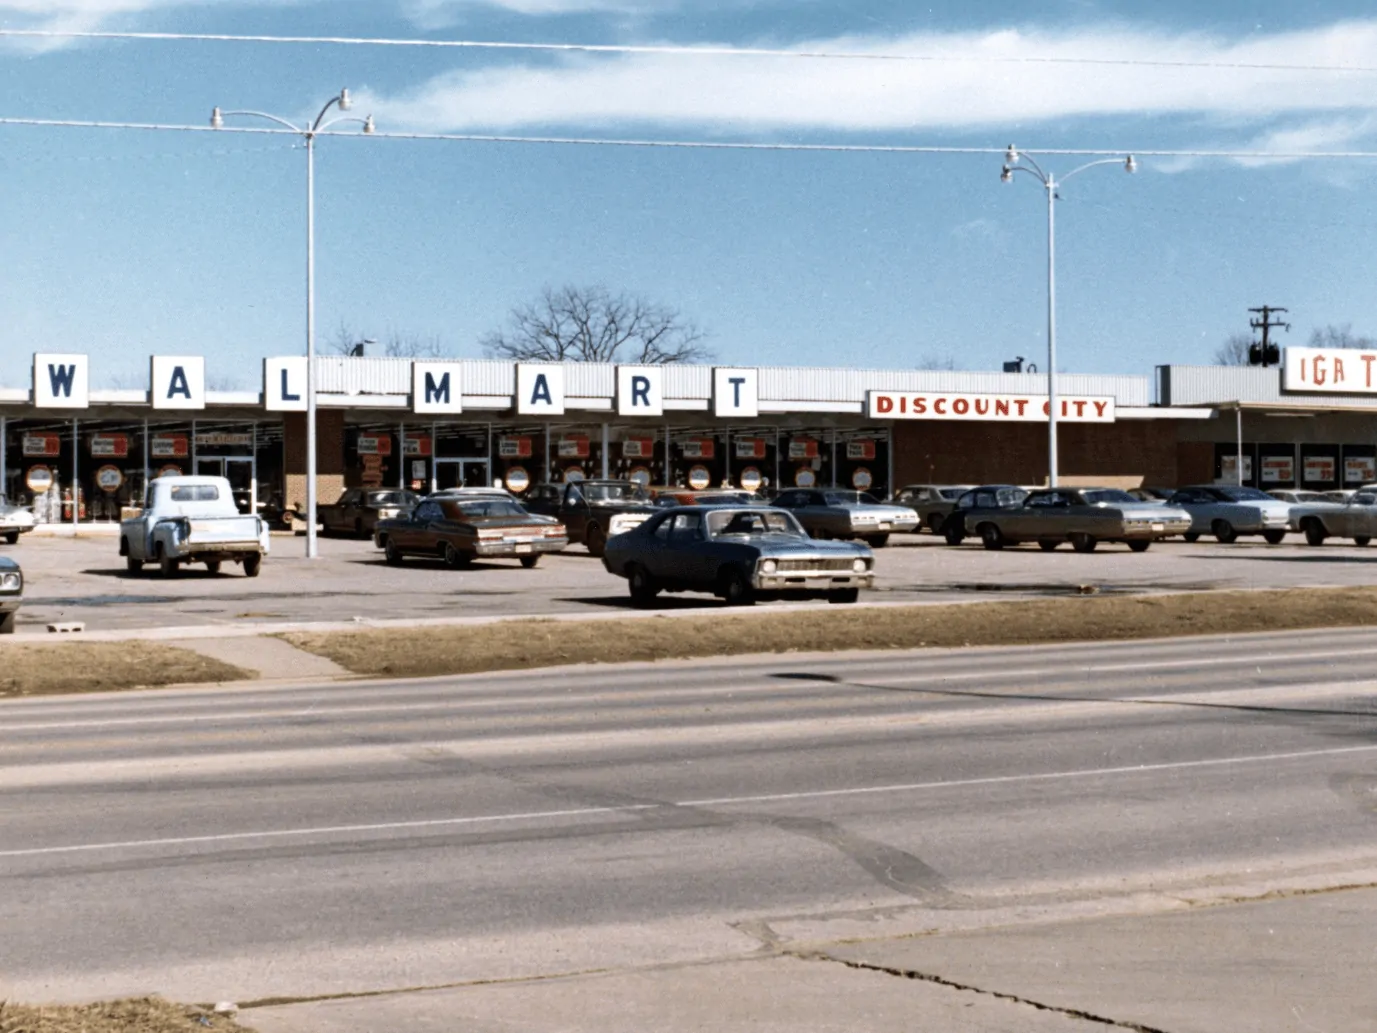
<point>308,133</point>
<point>1013,160</point>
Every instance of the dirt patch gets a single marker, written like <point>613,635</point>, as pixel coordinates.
<point>145,1015</point>
<point>27,670</point>
<point>519,644</point>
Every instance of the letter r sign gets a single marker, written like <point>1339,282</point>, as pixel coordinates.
<point>640,390</point>
<point>736,392</point>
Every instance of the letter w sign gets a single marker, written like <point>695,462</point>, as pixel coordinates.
<point>61,381</point>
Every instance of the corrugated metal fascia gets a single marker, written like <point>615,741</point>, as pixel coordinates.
<point>802,384</point>
<point>590,380</point>
<point>350,375</point>
<point>1208,385</point>
<point>489,377</point>
<point>688,381</point>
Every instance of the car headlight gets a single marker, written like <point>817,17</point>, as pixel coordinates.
<point>859,566</point>
<point>11,582</point>
<point>768,566</point>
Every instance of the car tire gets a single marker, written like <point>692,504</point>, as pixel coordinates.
<point>1224,532</point>
<point>456,558</point>
<point>7,623</point>
<point>991,537</point>
<point>12,537</point>
<point>736,588</point>
<point>132,565</point>
<point>212,566</point>
<point>1140,546</point>
<point>391,553</point>
<point>253,563</point>
<point>1314,532</point>
<point>877,541</point>
<point>529,562</point>
<point>595,540</point>
<point>936,522</point>
<point>1361,539</point>
<point>953,535</point>
<point>843,596</point>
<point>1048,546</point>
<point>358,529</point>
<point>1274,537</point>
<point>167,566</point>
<point>1191,536</point>
<point>1082,542</point>
<point>641,585</point>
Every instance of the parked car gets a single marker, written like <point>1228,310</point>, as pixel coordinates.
<point>460,530</point>
<point>586,508</point>
<point>931,502</point>
<point>665,497</point>
<point>1339,495</point>
<point>1356,519</point>
<point>192,520</point>
<point>1228,511</point>
<point>1300,498</point>
<point>471,492</point>
<point>14,520</point>
<point>11,593</point>
<point>738,553</point>
<point>1082,516</point>
<point>960,522</point>
<point>358,510</point>
<point>837,513</point>
<point>1150,494</point>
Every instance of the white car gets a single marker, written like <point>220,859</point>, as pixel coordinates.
<point>14,520</point>
<point>1228,511</point>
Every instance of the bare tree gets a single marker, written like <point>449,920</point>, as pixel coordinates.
<point>1333,336</point>
<point>399,345</point>
<point>1234,351</point>
<point>933,361</point>
<point>590,324</point>
<point>344,341</point>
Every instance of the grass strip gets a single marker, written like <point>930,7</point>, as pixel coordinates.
<point>142,1015</point>
<point>36,670</point>
<point>521,644</point>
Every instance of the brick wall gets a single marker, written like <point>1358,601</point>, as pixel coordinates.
<point>959,452</point>
<point>329,456</point>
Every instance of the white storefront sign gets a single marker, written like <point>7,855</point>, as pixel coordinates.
<point>1360,469</point>
<point>284,384</point>
<point>955,405</point>
<point>1330,371</point>
<point>61,381</point>
<point>178,382</point>
<point>437,387</point>
<point>736,392</point>
<point>539,389</point>
<point>640,390</point>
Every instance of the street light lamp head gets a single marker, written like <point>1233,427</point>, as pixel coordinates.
<point>1011,155</point>
<point>368,126</point>
<point>1130,165</point>
<point>1007,175</point>
<point>344,102</point>
<point>217,121</point>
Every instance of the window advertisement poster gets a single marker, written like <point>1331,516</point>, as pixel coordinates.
<point>1319,468</point>
<point>1278,469</point>
<point>1360,469</point>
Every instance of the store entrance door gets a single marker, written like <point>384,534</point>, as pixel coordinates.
<point>240,471</point>
<point>461,473</point>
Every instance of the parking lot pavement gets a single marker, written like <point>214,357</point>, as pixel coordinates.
<point>83,579</point>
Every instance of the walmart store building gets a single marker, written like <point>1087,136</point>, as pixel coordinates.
<point>76,452</point>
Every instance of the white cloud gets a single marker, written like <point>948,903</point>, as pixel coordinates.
<point>733,94</point>
<point>436,13</point>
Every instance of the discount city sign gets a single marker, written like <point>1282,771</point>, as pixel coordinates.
<point>953,405</point>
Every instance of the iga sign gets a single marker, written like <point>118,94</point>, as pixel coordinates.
<point>953,405</point>
<point>1329,370</point>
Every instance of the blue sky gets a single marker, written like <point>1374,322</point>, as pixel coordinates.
<point>123,244</point>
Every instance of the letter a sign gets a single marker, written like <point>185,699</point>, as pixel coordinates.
<point>61,381</point>
<point>539,389</point>
<point>284,384</point>
<point>178,382</point>
<point>437,387</point>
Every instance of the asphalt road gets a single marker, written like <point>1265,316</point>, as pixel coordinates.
<point>259,842</point>
<point>84,580</point>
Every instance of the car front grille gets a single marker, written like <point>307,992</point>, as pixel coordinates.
<point>818,564</point>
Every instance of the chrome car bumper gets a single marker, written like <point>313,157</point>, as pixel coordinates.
<point>1155,528</point>
<point>523,547</point>
<point>811,581</point>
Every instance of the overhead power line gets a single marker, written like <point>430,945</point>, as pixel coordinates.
<point>687,51</point>
<point>706,145</point>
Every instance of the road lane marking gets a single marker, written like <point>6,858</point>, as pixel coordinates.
<point>721,801</point>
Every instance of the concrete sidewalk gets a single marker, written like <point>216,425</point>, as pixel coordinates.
<point>1286,965</point>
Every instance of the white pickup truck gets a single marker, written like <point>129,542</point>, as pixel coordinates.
<point>192,520</point>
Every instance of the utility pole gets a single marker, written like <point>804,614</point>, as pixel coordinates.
<point>1266,354</point>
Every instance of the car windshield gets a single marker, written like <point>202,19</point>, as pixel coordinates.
<point>195,493</point>
<point>753,521</point>
<point>727,498</point>
<point>388,498</point>
<point>1011,496</point>
<point>615,492</point>
<point>484,508</point>
<point>850,498</point>
<point>1243,495</point>
<point>952,493</point>
<point>1105,495</point>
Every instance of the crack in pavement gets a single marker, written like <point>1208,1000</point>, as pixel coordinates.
<point>929,977</point>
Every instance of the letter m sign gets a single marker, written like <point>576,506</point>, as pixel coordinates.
<point>437,387</point>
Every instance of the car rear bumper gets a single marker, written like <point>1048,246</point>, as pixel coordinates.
<point>532,547</point>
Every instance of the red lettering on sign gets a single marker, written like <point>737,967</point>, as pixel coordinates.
<point>883,403</point>
<point>982,406</point>
<point>903,403</point>
<point>1367,369</point>
<point>1047,408</point>
<point>961,407</point>
<point>1080,408</point>
<point>1100,408</point>
<point>920,405</point>
<point>1317,368</point>
<point>1001,407</point>
<point>1338,370</point>
<point>1022,404</point>
<point>939,406</point>
<point>1304,375</point>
